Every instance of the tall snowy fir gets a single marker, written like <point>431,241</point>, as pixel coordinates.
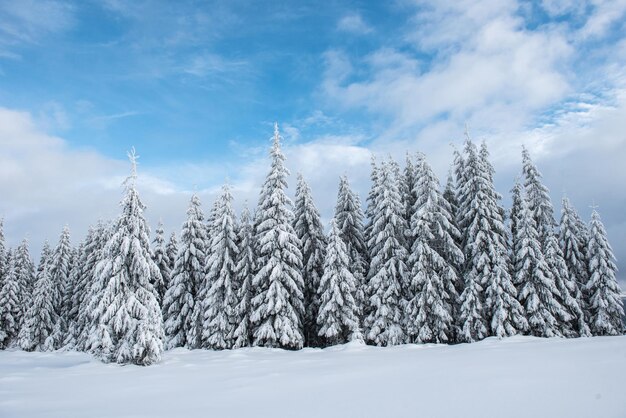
<point>573,242</point>
<point>431,291</point>
<point>4,261</point>
<point>187,275</point>
<point>407,191</point>
<point>278,303</point>
<point>161,259</point>
<point>387,271</point>
<point>338,316</point>
<point>536,287</point>
<point>542,212</point>
<point>25,272</point>
<point>131,327</point>
<point>349,220</point>
<point>245,269</point>
<point>172,251</point>
<point>10,309</point>
<point>605,304</point>
<point>89,287</point>
<point>218,298</point>
<point>60,267</point>
<point>309,230</point>
<point>37,331</point>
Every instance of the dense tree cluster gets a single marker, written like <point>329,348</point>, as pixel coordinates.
<point>422,264</point>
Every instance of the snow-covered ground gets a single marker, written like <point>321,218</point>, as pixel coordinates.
<point>515,377</point>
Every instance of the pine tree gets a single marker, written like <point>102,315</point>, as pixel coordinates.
<point>172,251</point>
<point>606,307</point>
<point>60,265</point>
<point>540,207</point>
<point>349,219</point>
<point>25,272</point>
<point>36,333</point>
<point>71,337</point>
<point>431,294</point>
<point>220,300</point>
<point>533,277</point>
<point>309,230</point>
<point>277,307</point>
<point>387,270</point>
<point>130,318</point>
<point>89,288</point>
<point>573,242</point>
<point>10,308</point>
<point>160,257</point>
<point>187,275</point>
<point>338,316</point>
<point>244,275</point>
<point>572,318</point>
<point>407,191</point>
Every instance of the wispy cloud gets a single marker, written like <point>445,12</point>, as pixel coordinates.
<point>354,23</point>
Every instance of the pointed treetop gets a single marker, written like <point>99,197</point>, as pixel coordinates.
<point>132,157</point>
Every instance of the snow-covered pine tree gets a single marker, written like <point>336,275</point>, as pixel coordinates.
<point>187,275</point>
<point>370,201</point>
<point>573,242</point>
<point>407,187</point>
<point>10,309</point>
<point>219,301</point>
<point>130,322</point>
<point>70,341</point>
<point>25,271</point>
<point>244,274</point>
<point>431,291</point>
<point>606,307</point>
<point>338,315</point>
<point>172,251</point>
<point>161,259</point>
<point>309,230</point>
<point>36,333</point>
<point>349,219</point>
<point>572,322</point>
<point>484,247</point>
<point>533,277</point>
<point>517,194</point>
<point>88,288</point>
<point>277,307</point>
<point>540,207</point>
<point>60,265</point>
<point>387,271</point>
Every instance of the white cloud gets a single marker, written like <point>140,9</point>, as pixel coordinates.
<point>354,23</point>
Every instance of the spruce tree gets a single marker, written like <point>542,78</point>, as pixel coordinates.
<point>89,288</point>
<point>25,272</point>
<point>573,242</point>
<point>37,331</point>
<point>244,275</point>
<point>349,220</point>
<point>533,277</point>
<point>161,259</point>
<point>387,271</point>
<point>431,294</point>
<point>606,307</point>
<point>187,275</point>
<point>60,267</point>
<point>309,230</point>
<point>131,325</point>
<point>407,191</point>
<point>71,337</point>
<point>277,307</point>
<point>338,316</point>
<point>484,247</point>
<point>219,301</point>
<point>10,308</point>
<point>172,251</point>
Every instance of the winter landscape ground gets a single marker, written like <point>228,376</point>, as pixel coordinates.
<point>512,377</point>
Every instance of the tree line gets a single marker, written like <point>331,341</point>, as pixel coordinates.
<point>422,264</point>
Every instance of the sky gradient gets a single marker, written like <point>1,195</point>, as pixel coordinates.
<point>196,86</point>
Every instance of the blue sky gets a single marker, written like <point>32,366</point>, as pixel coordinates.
<point>195,87</point>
